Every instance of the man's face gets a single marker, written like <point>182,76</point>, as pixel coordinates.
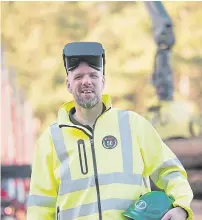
<point>86,85</point>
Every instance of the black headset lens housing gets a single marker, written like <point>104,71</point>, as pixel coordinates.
<point>91,52</point>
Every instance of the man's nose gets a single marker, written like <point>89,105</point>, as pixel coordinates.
<point>86,80</point>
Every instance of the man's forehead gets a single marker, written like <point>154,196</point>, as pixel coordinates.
<point>84,68</point>
<point>85,72</point>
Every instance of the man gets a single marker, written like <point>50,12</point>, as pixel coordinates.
<point>95,161</point>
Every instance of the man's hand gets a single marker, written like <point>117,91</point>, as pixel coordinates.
<point>175,214</point>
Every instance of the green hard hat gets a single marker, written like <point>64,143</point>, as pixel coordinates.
<point>150,206</point>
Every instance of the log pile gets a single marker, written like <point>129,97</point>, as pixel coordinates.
<point>189,152</point>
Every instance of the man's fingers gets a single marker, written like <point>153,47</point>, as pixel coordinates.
<point>167,216</point>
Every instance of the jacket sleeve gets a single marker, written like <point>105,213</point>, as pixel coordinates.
<point>164,168</point>
<point>43,187</point>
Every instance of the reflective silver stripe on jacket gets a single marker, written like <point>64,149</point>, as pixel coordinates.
<point>104,179</point>
<point>165,180</point>
<point>172,163</point>
<point>45,201</point>
<point>91,208</point>
<point>126,141</point>
<point>61,151</point>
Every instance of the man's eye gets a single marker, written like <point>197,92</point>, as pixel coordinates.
<point>77,77</point>
<point>94,76</point>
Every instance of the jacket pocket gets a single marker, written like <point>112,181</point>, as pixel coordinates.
<point>82,156</point>
<point>58,213</point>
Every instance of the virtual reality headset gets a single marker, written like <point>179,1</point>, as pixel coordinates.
<point>91,52</point>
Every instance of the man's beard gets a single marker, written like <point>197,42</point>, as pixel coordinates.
<point>90,103</point>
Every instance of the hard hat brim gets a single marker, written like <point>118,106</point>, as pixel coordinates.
<point>133,215</point>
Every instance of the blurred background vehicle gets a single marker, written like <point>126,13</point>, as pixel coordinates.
<point>176,119</point>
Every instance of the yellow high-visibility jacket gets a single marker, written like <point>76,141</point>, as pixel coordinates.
<point>85,174</point>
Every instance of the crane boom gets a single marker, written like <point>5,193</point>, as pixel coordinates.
<point>162,77</point>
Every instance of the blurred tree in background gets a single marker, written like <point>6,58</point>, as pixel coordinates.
<point>34,34</point>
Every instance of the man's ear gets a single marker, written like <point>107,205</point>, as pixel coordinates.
<point>68,85</point>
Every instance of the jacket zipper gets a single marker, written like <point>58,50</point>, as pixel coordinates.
<point>94,166</point>
<point>96,177</point>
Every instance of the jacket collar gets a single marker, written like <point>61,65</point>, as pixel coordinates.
<point>63,113</point>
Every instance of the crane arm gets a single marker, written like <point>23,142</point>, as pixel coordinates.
<point>162,77</point>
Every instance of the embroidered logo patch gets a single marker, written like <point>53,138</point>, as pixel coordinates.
<point>109,142</point>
